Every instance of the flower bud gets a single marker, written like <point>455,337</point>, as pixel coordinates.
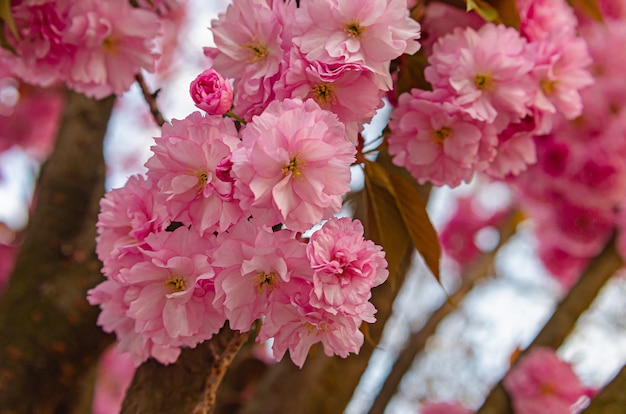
<point>211,92</point>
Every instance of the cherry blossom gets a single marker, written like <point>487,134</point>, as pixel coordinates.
<point>293,165</point>
<point>191,165</point>
<point>542,383</point>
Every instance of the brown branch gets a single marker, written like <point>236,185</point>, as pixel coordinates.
<point>183,387</point>
<point>580,297</point>
<point>611,399</point>
<point>417,340</point>
<point>150,98</point>
<point>221,364</point>
<point>48,334</point>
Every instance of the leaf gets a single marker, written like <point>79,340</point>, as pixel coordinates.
<point>418,224</point>
<point>384,224</point>
<point>589,7</point>
<point>7,17</point>
<point>484,10</point>
<point>411,73</point>
<point>496,11</point>
<point>412,211</point>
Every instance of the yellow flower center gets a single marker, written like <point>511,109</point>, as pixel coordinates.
<point>258,49</point>
<point>483,82</point>
<point>547,86</point>
<point>108,44</point>
<point>354,29</point>
<point>441,134</point>
<point>265,281</point>
<point>175,283</point>
<point>295,164</point>
<point>324,94</point>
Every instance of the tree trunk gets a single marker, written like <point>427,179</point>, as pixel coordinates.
<point>48,334</point>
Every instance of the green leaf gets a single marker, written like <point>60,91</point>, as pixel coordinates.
<point>384,224</point>
<point>484,10</point>
<point>7,17</point>
<point>408,204</point>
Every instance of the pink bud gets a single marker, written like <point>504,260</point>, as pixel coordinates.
<point>211,92</point>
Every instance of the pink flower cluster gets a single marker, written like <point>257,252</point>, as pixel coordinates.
<point>494,88</point>
<point>212,235</point>
<point>542,383</point>
<point>335,52</point>
<point>95,47</point>
<point>575,192</point>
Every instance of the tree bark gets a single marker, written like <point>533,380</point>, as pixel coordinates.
<point>48,334</point>
<point>187,386</point>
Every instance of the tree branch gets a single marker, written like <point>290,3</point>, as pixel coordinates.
<point>48,333</point>
<point>611,399</point>
<point>580,297</point>
<point>416,342</point>
<point>184,387</point>
<point>150,98</point>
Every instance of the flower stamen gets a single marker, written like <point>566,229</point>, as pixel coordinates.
<point>295,164</point>
<point>175,284</point>
<point>354,29</point>
<point>441,134</point>
<point>324,94</point>
<point>259,50</point>
<point>265,281</point>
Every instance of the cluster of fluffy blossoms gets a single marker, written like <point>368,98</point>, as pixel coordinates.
<point>493,89</point>
<point>576,192</point>
<point>95,47</point>
<point>213,233</point>
<point>335,52</point>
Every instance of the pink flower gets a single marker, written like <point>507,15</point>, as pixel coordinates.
<point>560,71</point>
<point>249,48</point>
<point>293,166</point>
<point>113,41</point>
<point>190,166</point>
<point>516,149</point>
<point>251,264</point>
<point>487,72</point>
<point>163,302</point>
<point>546,18</point>
<point>211,92</point>
<point>295,325</point>
<point>542,383</point>
<point>436,140</point>
<point>441,19</point>
<point>114,299</point>
<point>346,266</point>
<point>349,90</point>
<point>371,33</point>
<point>127,216</point>
<point>444,408</point>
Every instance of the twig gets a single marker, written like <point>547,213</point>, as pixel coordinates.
<point>221,363</point>
<point>580,297</point>
<point>150,98</point>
